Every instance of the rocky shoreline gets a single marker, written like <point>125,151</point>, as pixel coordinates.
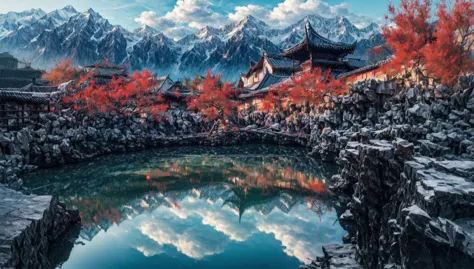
<point>30,226</point>
<point>391,144</point>
<point>406,163</point>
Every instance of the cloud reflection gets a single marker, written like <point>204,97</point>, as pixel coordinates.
<point>202,228</point>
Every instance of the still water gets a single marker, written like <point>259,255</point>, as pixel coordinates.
<point>195,207</point>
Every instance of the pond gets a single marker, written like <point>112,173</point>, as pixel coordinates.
<point>249,206</point>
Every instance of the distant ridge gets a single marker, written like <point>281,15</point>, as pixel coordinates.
<point>87,38</point>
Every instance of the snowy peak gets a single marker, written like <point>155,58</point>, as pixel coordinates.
<point>87,37</point>
<point>91,13</point>
<point>208,33</point>
<point>249,25</point>
<point>145,31</point>
<point>11,21</point>
<point>22,17</point>
<point>69,9</point>
<point>61,16</point>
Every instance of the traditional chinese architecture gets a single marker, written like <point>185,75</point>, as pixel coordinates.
<point>314,51</point>
<point>11,76</point>
<point>317,51</point>
<point>104,72</point>
<point>164,84</point>
<point>20,107</point>
<point>372,71</point>
<point>269,70</point>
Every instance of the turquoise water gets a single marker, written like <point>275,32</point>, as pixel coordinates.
<point>196,207</point>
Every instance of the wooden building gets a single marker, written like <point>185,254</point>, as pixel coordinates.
<point>104,72</point>
<point>164,84</point>
<point>11,76</point>
<point>267,68</point>
<point>317,51</point>
<point>314,51</point>
<point>20,107</point>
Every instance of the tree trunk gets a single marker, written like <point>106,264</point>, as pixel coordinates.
<point>213,127</point>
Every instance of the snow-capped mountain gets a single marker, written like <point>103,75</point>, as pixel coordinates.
<point>13,20</point>
<point>87,37</point>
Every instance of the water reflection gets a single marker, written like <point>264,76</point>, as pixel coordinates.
<point>246,206</point>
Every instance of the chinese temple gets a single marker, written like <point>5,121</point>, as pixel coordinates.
<point>314,51</point>
<point>13,76</point>
<point>104,72</point>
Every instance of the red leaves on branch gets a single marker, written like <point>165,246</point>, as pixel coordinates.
<point>214,99</point>
<point>314,87</point>
<point>277,96</point>
<point>408,32</point>
<point>63,72</point>
<point>441,45</point>
<point>451,52</point>
<point>133,95</point>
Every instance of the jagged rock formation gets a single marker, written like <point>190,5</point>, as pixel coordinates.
<point>73,137</point>
<point>406,162</point>
<point>30,226</point>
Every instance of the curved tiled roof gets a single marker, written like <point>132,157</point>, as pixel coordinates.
<point>280,62</point>
<point>105,69</point>
<point>24,97</point>
<point>267,81</point>
<point>363,69</point>
<point>354,63</point>
<point>316,40</point>
<point>35,88</point>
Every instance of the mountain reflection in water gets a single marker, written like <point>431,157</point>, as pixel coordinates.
<point>230,207</point>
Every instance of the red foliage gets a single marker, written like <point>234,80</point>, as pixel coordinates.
<point>214,99</point>
<point>408,32</point>
<point>308,87</point>
<point>314,87</point>
<point>128,96</point>
<point>453,45</point>
<point>277,96</point>
<point>444,51</point>
<point>64,71</point>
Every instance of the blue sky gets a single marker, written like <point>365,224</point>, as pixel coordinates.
<point>177,17</point>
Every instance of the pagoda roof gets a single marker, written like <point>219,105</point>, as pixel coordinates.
<point>317,41</point>
<point>105,69</point>
<point>267,81</point>
<point>36,88</point>
<point>363,69</point>
<point>23,97</point>
<point>161,81</point>
<point>355,63</point>
<point>281,62</point>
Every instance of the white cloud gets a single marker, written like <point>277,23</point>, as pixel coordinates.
<point>254,10</point>
<point>189,15</point>
<point>290,11</point>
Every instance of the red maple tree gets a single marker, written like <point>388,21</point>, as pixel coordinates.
<point>441,45</point>
<point>214,99</point>
<point>451,53</point>
<point>133,95</point>
<point>277,96</point>
<point>314,88</point>
<point>64,71</point>
<point>407,32</point>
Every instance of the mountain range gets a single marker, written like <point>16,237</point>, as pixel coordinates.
<point>86,37</point>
